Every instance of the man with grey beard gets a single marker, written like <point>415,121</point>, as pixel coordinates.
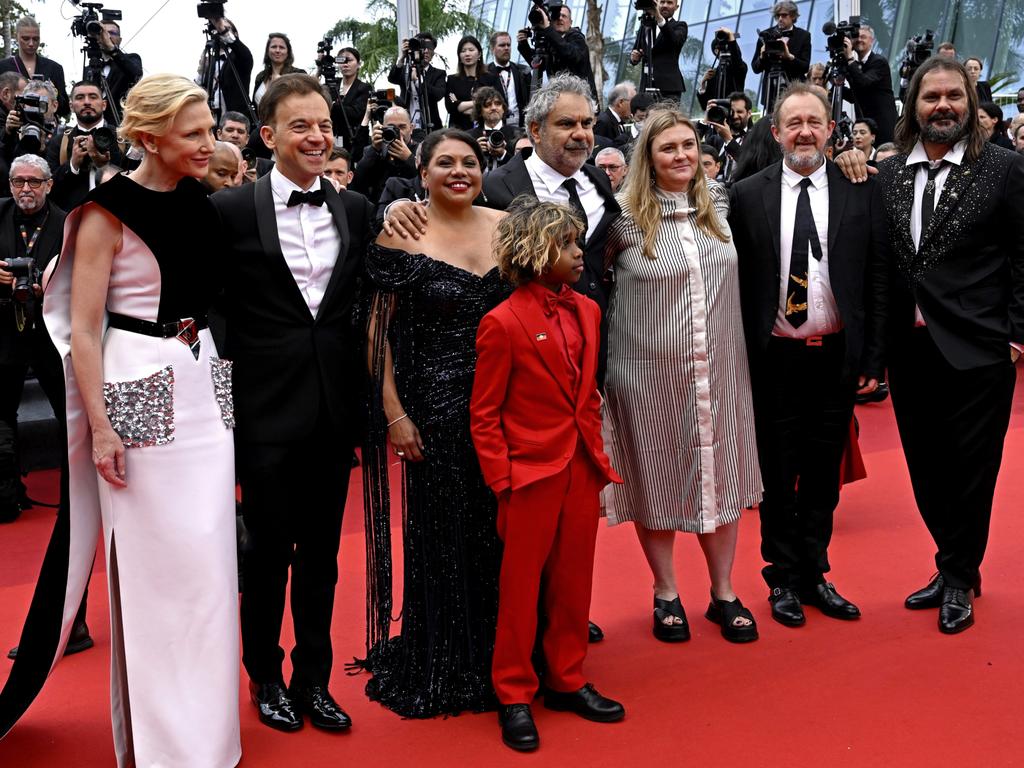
<point>955,206</point>
<point>811,251</point>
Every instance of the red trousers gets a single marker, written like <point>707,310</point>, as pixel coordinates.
<point>549,529</point>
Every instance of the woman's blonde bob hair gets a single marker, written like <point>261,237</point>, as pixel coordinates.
<point>529,237</point>
<point>638,188</point>
<point>153,103</point>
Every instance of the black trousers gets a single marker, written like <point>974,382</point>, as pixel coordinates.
<point>952,424</point>
<point>293,499</point>
<point>802,409</point>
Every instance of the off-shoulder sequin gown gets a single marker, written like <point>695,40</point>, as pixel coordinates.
<point>440,663</point>
<point>169,536</point>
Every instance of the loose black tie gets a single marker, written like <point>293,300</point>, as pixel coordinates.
<point>804,233</point>
<point>569,185</point>
<point>928,200</point>
<point>313,197</point>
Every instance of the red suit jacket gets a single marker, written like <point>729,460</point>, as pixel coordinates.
<point>524,417</point>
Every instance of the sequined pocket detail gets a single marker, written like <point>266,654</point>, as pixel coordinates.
<point>221,372</point>
<point>142,411</point>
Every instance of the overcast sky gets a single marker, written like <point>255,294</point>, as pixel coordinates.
<point>173,39</point>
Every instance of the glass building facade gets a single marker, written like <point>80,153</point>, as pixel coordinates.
<point>992,30</point>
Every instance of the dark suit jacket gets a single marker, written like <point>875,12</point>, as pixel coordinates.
<point>565,54</point>
<point>857,246</point>
<point>462,88</point>
<point>870,90</point>
<point>968,275</point>
<point>799,45</point>
<point>235,90</point>
<point>291,370</point>
<point>434,79</point>
<point>347,114</point>
<point>125,72</point>
<point>609,126</point>
<point>520,84</point>
<point>53,71</point>
<point>70,189</point>
<point>735,76</point>
<point>668,45</point>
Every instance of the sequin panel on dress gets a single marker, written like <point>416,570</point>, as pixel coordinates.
<point>221,372</point>
<point>142,411</point>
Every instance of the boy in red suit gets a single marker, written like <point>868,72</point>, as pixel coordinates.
<point>536,424</point>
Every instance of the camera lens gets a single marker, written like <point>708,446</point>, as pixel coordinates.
<point>389,134</point>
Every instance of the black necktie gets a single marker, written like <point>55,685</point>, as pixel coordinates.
<point>804,234</point>
<point>569,185</point>
<point>928,201</point>
<point>313,197</point>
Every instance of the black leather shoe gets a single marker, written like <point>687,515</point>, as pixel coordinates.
<point>79,640</point>
<point>930,596</point>
<point>786,608</point>
<point>587,703</point>
<point>594,633</point>
<point>275,706</point>
<point>825,598</point>
<point>956,612</point>
<point>323,711</point>
<point>517,728</point>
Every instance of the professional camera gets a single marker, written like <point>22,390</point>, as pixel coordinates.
<point>720,43</point>
<point>534,16</point>
<point>104,139</point>
<point>90,22</point>
<point>719,111</point>
<point>248,156</point>
<point>32,109</point>
<point>209,10</point>
<point>837,34</point>
<point>326,68</point>
<point>773,48</point>
<point>382,101</point>
<point>26,274</point>
<point>495,138</point>
<point>648,10</point>
<point>917,51</point>
<point>389,134</point>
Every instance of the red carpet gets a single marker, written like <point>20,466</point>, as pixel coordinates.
<point>888,690</point>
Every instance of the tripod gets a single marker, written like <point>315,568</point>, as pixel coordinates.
<point>843,132</point>
<point>773,82</point>
<point>645,44</point>
<point>215,51</point>
<point>92,72</point>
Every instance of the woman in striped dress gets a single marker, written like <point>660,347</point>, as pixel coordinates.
<point>678,386</point>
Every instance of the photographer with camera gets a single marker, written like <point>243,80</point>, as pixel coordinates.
<point>494,135</point>
<point>11,84</point>
<point>391,152</point>
<point>729,72</point>
<point>353,93</point>
<point>120,70</point>
<point>421,85</point>
<point>225,68</point>
<point>30,124</point>
<point>783,50</point>
<point>78,153</point>
<point>725,126</point>
<point>869,83</point>
<point>30,64</point>
<point>611,122</point>
<point>659,43</point>
<point>514,78</point>
<point>560,47</point>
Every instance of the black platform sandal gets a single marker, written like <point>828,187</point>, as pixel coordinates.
<point>725,612</point>
<point>670,633</point>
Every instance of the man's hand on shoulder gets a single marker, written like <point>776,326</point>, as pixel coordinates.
<point>854,166</point>
<point>405,219</point>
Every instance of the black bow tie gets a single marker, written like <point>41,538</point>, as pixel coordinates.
<point>503,69</point>
<point>314,197</point>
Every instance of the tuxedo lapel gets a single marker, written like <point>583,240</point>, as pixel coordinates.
<point>50,237</point>
<point>837,195</point>
<point>772,199</point>
<point>337,208</point>
<point>537,326</point>
<point>901,193</point>
<point>960,179</point>
<point>266,225</point>
<point>518,180</point>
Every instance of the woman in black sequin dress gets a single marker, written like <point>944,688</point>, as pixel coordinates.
<point>422,331</point>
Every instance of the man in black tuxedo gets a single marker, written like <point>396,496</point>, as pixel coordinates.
<point>121,70</point>
<point>796,47</point>
<point>566,45</point>
<point>406,74</point>
<point>955,205</point>
<point>869,84</point>
<point>611,122</point>
<point>28,62</point>
<point>811,251</point>
<point>514,78</point>
<point>296,253</point>
<point>73,155</point>
<point>665,38</point>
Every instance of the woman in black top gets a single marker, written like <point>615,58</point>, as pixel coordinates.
<point>278,60</point>
<point>470,76</point>
<point>990,115</point>
<point>347,112</point>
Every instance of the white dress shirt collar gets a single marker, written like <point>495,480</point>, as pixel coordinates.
<point>551,178</point>
<point>955,155</point>
<point>819,177</point>
<point>283,186</point>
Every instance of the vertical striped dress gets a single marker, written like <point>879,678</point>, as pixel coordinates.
<point>678,385</point>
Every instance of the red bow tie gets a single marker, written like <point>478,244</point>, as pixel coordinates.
<point>553,300</point>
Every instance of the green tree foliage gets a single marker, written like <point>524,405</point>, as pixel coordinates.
<point>377,40</point>
<point>10,12</point>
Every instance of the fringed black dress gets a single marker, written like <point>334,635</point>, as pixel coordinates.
<point>440,663</point>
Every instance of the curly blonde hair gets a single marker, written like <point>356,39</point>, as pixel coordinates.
<point>638,188</point>
<point>152,105</point>
<point>528,239</point>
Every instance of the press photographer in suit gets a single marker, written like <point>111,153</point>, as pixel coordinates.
<point>796,44</point>
<point>419,81</point>
<point>730,72</point>
<point>669,36</point>
<point>514,78</point>
<point>869,83</point>
<point>567,49</point>
<point>121,70</point>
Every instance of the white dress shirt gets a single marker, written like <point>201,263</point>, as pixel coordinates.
<point>508,83</point>
<point>547,185</point>
<point>955,156</point>
<point>822,312</point>
<point>309,239</point>
<point>92,171</point>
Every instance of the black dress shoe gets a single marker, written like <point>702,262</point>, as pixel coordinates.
<point>323,711</point>
<point>786,608</point>
<point>587,703</point>
<point>825,598</point>
<point>956,612</point>
<point>594,633</point>
<point>79,640</point>
<point>930,596</point>
<point>517,728</point>
<point>275,706</point>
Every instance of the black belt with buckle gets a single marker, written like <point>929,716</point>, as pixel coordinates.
<point>160,330</point>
